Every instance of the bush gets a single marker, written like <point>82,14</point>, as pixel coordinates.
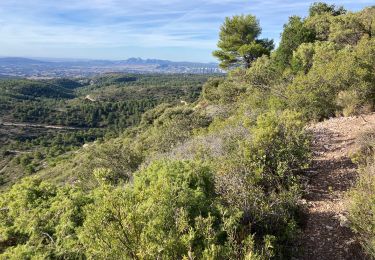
<point>210,89</point>
<point>303,58</point>
<point>262,74</point>
<point>171,128</point>
<point>347,29</point>
<point>362,197</point>
<point>337,80</point>
<point>362,210</point>
<point>348,102</point>
<point>259,177</point>
<point>222,91</point>
<point>39,220</point>
<point>171,212</point>
<point>367,147</point>
<point>149,116</point>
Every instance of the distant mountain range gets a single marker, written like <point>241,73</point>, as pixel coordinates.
<point>49,68</point>
<point>136,61</point>
<point>9,61</point>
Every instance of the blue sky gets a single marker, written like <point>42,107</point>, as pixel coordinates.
<point>119,29</point>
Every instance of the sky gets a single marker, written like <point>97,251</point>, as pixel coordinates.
<point>119,29</point>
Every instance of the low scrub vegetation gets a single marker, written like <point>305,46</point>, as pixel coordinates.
<point>362,196</point>
<point>217,178</point>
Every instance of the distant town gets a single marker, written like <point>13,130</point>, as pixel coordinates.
<point>50,68</point>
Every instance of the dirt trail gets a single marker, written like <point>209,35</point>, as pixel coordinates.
<point>41,126</point>
<point>326,234</point>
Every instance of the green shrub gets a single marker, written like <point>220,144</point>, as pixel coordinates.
<point>366,147</point>
<point>348,102</point>
<point>337,80</point>
<point>362,197</point>
<point>347,29</point>
<point>210,90</point>
<point>262,74</point>
<point>39,220</point>
<point>260,177</point>
<point>222,91</point>
<point>362,209</point>
<point>303,57</point>
<point>149,116</point>
<point>171,128</point>
<point>171,212</point>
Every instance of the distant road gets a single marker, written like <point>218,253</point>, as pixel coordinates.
<point>41,126</point>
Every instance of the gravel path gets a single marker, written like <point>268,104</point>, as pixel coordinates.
<point>326,233</point>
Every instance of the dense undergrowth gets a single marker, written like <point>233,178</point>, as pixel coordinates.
<point>216,179</point>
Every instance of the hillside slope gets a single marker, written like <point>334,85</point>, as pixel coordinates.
<point>327,234</point>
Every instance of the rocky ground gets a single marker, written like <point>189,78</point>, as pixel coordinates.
<point>326,234</point>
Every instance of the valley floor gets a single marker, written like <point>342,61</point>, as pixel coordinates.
<point>326,234</point>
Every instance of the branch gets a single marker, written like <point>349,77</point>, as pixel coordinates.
<point>50,238</point>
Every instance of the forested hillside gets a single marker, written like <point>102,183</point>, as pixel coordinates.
<point>217,176</point>
<point>43,121</point>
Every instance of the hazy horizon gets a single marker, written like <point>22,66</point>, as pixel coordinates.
<point>93,59</point>
<point>117,30</point>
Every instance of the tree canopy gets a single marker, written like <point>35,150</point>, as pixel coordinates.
<point>319,8</point>
<point>239,44</point>
<point>295,33</point>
